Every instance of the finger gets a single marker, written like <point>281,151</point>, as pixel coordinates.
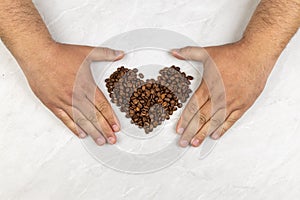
<point>190,53</point>
<point>199,119</point>
<point>68,121</point>
<point>230,121</point>
<point>200,97</point>
<point>213,124</point>
<point>86,125</point>
<point>105,54</point>
<point>104,107</point>
<point>98,121</point>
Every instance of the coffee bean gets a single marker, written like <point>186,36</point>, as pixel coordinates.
<point>141,75</point>
<point>190,78</point>
<point>148,103</point>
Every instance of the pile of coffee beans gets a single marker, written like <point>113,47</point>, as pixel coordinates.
<point>121,85</point>
<point>177,81</point>
<point>144,98</point>
<point>148,103</point>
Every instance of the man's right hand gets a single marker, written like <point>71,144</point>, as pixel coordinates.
<point>83,109</point>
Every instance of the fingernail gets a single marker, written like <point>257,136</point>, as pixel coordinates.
<point>195,142</point>
<point>175,50</point>
<point>111,140</point>
<point>100,141</point>
<point>183,143</point>
<point>215,136</point>
<point>115,128</point>
<point>176,53</point>
<point>118,53</point>
<point>180,131</point>
<point>82,135</point>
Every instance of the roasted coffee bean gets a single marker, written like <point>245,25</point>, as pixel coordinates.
<point>178,82</point>
<point>148,103</point>
<point>155,105</point>
<point>190,78</point>
<point>141,75</point>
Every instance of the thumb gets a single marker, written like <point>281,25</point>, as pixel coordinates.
<point>190,53</point>
<point>105,54</point>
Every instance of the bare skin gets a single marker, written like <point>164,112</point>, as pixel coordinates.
<point>243,69</point>
<point>52,68</point>
<point>243,66</point>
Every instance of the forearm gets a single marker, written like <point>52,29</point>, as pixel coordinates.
<point>22,29</point>
<point>272,26</point>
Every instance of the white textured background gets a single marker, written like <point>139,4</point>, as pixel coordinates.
<point>259,158</point>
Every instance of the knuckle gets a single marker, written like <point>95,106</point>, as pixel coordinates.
<point>201,118</point>
<point>81,122</point>
<point>93,118</point>
<point>103,106</point>
<point>107,52</point>
<point>215,122</point>
<point>192,108</point>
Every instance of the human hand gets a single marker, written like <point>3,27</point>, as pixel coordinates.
<point>82,107</point>
<point>234,76</point>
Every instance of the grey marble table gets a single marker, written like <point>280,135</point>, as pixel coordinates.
<point>259,158</point>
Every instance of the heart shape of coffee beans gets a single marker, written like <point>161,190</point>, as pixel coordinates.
<point>148,103</point>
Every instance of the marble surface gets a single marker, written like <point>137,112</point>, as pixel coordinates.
<point>258,159</point>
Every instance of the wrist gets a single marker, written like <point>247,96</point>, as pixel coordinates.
<point>259,51</point>
<point>34,57</point>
